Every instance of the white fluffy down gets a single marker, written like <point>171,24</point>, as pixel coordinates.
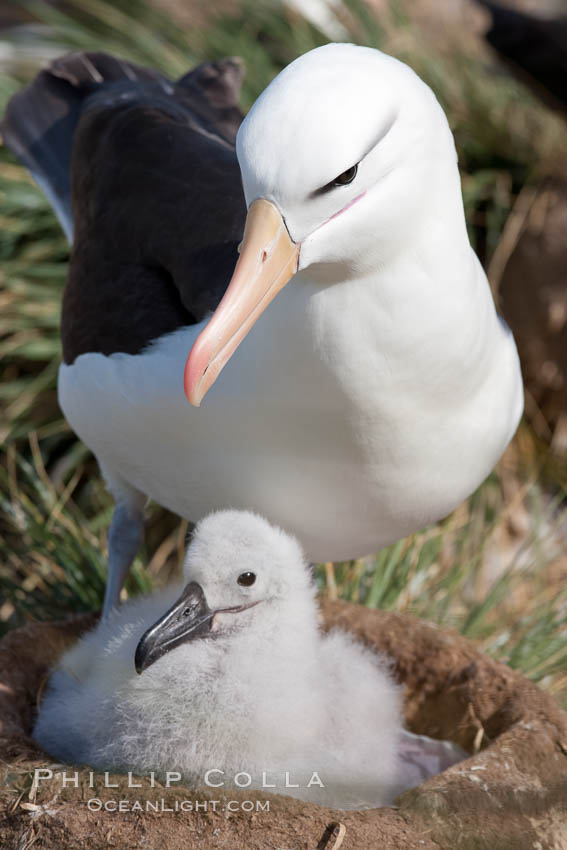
<point>269,694</point>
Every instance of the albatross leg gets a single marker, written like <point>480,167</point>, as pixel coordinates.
<point>124,538</point>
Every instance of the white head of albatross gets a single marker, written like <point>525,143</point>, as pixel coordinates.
<point>236,678</point>
<point>345,158</point>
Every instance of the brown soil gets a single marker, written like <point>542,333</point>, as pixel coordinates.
<point>511,794</point>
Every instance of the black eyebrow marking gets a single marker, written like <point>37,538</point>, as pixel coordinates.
<point>381,136</point>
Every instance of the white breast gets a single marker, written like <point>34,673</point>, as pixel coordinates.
<point>346,417</point>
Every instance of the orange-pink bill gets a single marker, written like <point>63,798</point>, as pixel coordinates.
<point>268,259</point>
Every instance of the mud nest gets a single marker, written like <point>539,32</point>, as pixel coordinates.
<point>511,792</point>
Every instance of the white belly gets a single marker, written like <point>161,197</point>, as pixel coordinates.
<point>281,433</point>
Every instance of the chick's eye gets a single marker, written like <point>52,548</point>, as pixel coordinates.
<point>346,177</point>
<point>246,579</point>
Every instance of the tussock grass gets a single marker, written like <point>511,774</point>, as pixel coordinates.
<point>495,569</point>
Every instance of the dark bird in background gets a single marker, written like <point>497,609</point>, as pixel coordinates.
<point>535,47</point>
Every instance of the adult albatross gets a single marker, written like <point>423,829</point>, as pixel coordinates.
<point>380,387</point>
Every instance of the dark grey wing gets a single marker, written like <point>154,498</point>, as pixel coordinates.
<point>536,47</point>
<point>40,121</point>
<point>154,186</point>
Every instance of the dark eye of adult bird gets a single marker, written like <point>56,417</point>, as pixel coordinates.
<point>346,177</point>
<point>246,579</point>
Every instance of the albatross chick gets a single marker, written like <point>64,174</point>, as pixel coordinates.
<point>230,674</point>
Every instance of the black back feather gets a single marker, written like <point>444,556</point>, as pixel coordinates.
<point>144,171</point>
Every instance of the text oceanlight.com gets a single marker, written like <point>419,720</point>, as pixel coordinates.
<point>161,805</point>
